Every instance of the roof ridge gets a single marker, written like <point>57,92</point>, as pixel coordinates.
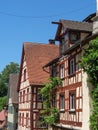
<point>75,21</point>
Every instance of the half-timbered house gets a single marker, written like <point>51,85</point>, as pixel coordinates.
<point>72,98</point>
<point>31,78</point>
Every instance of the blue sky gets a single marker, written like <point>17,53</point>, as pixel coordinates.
<point>30,21</point>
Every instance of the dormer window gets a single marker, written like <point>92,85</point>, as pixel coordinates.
<point>74,36</point>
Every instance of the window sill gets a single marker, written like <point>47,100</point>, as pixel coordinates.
<point>71,75</point>
<point>72,111</point>
<point>62,110</point>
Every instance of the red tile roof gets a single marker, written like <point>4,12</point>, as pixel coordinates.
<point>3,115</point>
<point>13,80</point>
<point>37,55</point>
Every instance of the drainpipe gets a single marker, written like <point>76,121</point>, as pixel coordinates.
<point>31,110</point>
<point>95,20</point>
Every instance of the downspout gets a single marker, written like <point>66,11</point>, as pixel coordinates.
<point>31,110</point>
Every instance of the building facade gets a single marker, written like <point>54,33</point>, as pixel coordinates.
<point>13,102</point>
<point>31,78</point>
<point>72,98</point>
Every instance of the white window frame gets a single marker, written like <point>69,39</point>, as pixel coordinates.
<point>72,66</point>
<point>72,101</point>
<point>62,102</point>
<point>62,71</point>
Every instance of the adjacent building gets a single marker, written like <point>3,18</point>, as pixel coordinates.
<point>31,78</point>
<point>3,119</point>
<point>13,102</point>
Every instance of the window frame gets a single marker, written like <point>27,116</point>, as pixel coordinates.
<point>62,101</point>
<point>24,75</point>
<point>27,120</point>
<point>54,100</point>
<point>74,34</point>
<point>54,71</point>
<point>62,71</point>
<point>72,101</point>
<point>39,96</point>
<point>20,97</point>
<point>72,66</point>
<point>24,96</point>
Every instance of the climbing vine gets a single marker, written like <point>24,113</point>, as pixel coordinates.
<point>50,114</point>
<point>90,65</point>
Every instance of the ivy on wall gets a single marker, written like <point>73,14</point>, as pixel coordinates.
<point>50,114</point>
<point>89,64</point>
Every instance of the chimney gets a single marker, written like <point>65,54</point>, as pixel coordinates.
<point>51,41</point>
<point>95,20</point>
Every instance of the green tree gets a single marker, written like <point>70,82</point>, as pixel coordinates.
<point>3,89</point>
<point>2,102</point>
<point>4,81</point>
<point>4,77</point>
<point>90,65</point>
<point>10,68</point>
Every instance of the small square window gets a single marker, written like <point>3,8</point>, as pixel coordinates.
<point>74,36</point>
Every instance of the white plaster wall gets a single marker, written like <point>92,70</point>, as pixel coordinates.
<point>86,103</point>
<point>10,117</point>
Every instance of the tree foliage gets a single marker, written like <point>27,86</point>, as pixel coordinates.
<point>2,102</point>
<point>4,81</point>
<point>50,113</point>
<point>4,77</point>
<point>10,68</point>
<point>90,65</point>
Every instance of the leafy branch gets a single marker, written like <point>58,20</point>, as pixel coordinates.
<point>50,113</point>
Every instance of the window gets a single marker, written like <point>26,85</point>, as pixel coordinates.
<point>62,102</point>
<point>72,100</point>
<point>39,96</point>
<point>64,44</point>
<point>27,94</point>
<point>20,118</point>
<point>62,73</point>
<point>74,36</point>
<point>23,119</point>
<point>72,66</point>
<point>20,97</point>
<point>23,96</point>
<point>54,71</point>
<point>27,120</point>
<point>24,74</point>
<point>40,122</point>
<point>54,100</point>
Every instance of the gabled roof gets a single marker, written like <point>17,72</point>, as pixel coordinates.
<point>73,25</point>
<point>13,81</point>
<point>89,18</point>
<point>36,56</point>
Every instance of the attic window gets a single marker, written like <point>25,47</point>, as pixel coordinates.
<point>74,36</point>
